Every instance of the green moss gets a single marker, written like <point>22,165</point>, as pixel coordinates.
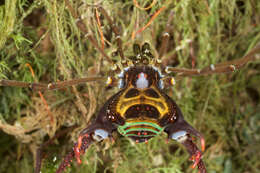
<point>225,107</point>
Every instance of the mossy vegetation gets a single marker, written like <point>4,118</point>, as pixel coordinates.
<point>43,34</point>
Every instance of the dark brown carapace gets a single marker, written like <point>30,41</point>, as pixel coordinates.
<point>140,110</point>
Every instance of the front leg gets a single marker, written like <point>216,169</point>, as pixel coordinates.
<point>102,128</point>
<point>106,122</point>
<point>95,132</point>
<point>181,131</point>
<point>195,154</point>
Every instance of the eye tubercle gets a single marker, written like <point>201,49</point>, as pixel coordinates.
<point>142,75</point>
<point>142,81</point>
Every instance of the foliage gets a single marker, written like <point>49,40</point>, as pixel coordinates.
<point>43,33</point>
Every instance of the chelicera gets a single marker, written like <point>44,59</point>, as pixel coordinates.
<point>141,109</point>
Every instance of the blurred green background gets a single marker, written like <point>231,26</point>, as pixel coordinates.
<point>43,33</point>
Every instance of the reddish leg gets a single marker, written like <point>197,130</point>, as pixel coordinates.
<point>94,132</point>
<point>196,155</point>
<point>181,131</point>
<point>85,143</point>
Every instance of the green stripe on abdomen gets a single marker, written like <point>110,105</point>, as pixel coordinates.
<point>142,129</point>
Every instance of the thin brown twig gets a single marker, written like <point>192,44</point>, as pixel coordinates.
<point>99,29</point>
<point>165,36</point>
<point>144,8</point>
<point>94,43</point>
<point>149,22</point>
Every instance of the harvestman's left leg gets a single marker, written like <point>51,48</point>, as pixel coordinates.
<point>181,131</point>
<point>95,132</point>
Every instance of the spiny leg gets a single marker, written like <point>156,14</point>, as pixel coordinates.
<point>195,154</point>
<point>102,128</point>
<point>95,132</point>
<point>224,67</point>
<point>181,131</point>
<point>49,86</point>
<point>183,137</point>
<point>85,143</point>
<point>45,144</point>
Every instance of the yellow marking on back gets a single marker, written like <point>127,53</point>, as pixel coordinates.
<point>125,103</point>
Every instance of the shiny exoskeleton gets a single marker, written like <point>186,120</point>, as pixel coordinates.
<point>140,110</point>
